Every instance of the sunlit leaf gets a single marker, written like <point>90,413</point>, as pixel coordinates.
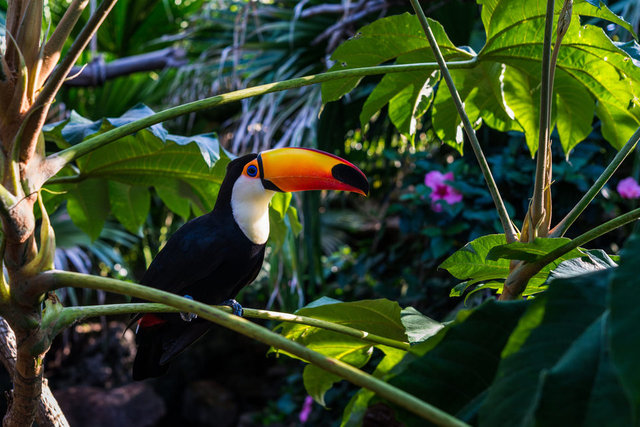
<point>532,251</point>
<point>380,317</point>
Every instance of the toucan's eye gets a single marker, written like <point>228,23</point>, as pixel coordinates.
<point>252,171</point>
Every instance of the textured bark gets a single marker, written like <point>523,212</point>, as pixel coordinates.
<point>48,412</point>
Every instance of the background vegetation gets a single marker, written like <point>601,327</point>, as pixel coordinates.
<point>110,222</point>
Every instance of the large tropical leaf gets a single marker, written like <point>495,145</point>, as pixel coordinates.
<point>625,335</point>
<point>560,370</point>
<point>454,374</point>
<point>381,317</point>
<point>502,86</point>
<point>187,168</point>
<point>487,259</point>
<point>186,173</point>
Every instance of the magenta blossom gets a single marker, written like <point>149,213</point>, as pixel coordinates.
<point>440,190</point>
<point>628,188</point>
<point>306,409</point>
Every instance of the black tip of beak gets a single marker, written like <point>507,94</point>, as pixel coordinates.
<point>350,176</point>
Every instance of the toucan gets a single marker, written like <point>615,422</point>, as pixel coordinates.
<point>212,257</point>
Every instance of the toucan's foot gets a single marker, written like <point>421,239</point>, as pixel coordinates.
<point>188,317</point>
<point>235,306</point>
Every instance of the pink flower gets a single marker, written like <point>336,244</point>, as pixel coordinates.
<point>306,409</point>
<point>628,188</point>
<point>440,190</point>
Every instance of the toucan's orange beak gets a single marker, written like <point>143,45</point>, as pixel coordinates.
<point>301,169</point>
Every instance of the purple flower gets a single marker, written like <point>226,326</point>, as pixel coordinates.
<point>440,190</point>
<point>628,188</point>
<point>306,409</point>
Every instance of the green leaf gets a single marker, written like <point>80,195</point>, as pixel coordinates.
<point>625,318</point>
<point>532,251</point>
<point>481,91</point>
<point>474,264</point>
<point>522,98</point>
<point>585,8</point>
<point>463,363</point>
<point>418,327</point>
<point>575,109</point>
<point>293,220</point>
<point>471,261</point>
<point>174,198</point>
<point>129,204</point>
<point>502,88</point>
<point>530,320</point>
<point>409,96</point>
<point>277,227</point>
<point>185,171</point>
<point>554,344</point>
<point>593,261</point>
<point>582,384</point>
<point>588,60</point>
<point>386,39</point>
<point>357,407</point>
<point>380,317</point>
<point>88,206</point>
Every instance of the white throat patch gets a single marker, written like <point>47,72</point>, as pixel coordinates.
<point>250,207</point>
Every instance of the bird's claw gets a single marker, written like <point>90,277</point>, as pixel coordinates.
<point>188,317</point>
<point>236,308</point>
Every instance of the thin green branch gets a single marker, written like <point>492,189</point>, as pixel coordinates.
<point>521,275</point>
<point>537,201</point>
<point>71,314</point>
<point>571,217</point>
<point>60,73</point>
<point>52,280</point>
<point>57,161</point>
<point>507,225</point>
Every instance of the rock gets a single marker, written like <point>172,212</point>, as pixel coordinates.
<point>206,403</point>
<point>135,404</point>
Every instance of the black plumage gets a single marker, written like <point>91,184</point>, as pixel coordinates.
<point>214,256</point>
<point>210,259</point>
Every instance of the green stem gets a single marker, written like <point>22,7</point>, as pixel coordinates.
<point>571,217</point>
<point>507,225</point>
<point>71,314</point>
<point>594,233</point>
<point>521,275</point>
<point>57,161</point>
<point>57,279</point>
<point>537,203</point>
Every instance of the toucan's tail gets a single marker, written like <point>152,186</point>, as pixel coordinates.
<point>159,339</point>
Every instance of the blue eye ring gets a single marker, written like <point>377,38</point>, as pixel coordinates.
<point>252,170</point>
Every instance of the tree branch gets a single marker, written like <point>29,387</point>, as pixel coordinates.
<point>97,71</point>
<point>48,413</point>
<point>54,83</point>
<point>51,280</point>
<point>53,47</point>
<point>69,315</point>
